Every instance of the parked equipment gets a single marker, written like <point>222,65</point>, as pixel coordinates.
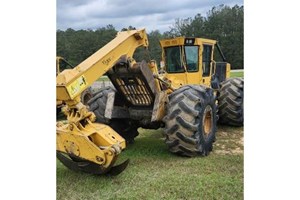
<point>182,99</point>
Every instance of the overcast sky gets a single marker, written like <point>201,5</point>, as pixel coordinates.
<point>151,14</point>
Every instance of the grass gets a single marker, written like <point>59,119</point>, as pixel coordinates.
<point>236,74</point>
<point>103,78</point>
<point>154,173</point>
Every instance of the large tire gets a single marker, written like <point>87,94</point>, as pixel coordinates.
<point>125,127</point>
<point>231,102</point>
<point>190,122</point>
<point>97,104</point>
<point>86,95</point>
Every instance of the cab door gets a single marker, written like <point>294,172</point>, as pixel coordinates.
<point>206,64</point>
<point>191,53</point>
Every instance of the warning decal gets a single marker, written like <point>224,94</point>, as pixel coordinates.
<point>77,86</point>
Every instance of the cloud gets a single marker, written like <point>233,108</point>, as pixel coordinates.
<point>153,15</point>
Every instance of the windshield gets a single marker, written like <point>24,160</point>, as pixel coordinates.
<point>191,55</point>
<point>174,59</point>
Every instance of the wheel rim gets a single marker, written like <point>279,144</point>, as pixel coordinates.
<point>207,120</point>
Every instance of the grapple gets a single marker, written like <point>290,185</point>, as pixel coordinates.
<point>91,148</point>
<point>79,164</point>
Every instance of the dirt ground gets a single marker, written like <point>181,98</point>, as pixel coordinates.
<point>230,140</point>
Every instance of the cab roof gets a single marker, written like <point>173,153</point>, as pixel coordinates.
<point>185,41</point>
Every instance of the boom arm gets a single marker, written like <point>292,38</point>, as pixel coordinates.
<point>70,83</point>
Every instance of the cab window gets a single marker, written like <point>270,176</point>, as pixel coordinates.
<point>191,55</point>
<point>206,59</point>
<point>174,59</point>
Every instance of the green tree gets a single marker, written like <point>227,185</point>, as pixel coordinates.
<point>226,25</point>
<point>154,51</point>
<point>223,23</point>
<point>78,45</point>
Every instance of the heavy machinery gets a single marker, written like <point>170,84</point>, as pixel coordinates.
<point>182,99</point>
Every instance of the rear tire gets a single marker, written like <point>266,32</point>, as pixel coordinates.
<point>125,127</point>
<point>190,122</point>
<point>231,102</point>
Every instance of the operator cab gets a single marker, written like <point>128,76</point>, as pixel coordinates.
<point>191,60</point>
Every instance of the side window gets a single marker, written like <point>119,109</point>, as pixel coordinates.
<point>206,59</point>
<point>173,59</point>
<point>191,55</point>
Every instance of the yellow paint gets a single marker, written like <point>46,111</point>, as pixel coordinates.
<point>95,142</point>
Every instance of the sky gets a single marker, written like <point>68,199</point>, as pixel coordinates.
<point>152,15</point>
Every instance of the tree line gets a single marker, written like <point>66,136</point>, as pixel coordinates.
<point>222,23</point>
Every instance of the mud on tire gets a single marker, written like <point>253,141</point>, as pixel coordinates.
<point>190,122</point>
<point>231,102</point>
<point>125,127</point>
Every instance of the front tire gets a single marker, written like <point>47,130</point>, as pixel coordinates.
<point>190,122</point>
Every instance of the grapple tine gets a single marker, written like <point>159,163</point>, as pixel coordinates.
<point>117,169</point>
<point>78,164</point>
<point>81,164</point>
